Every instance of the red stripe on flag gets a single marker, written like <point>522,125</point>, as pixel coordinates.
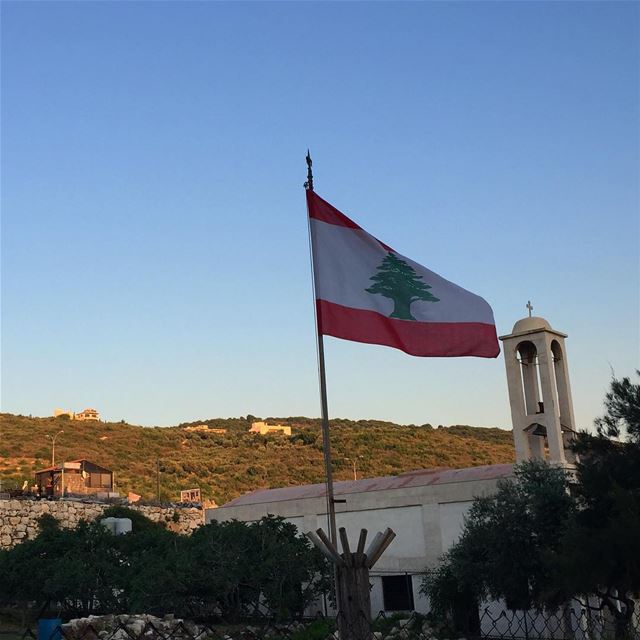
<point>321,210</point>
<point>435,339</point>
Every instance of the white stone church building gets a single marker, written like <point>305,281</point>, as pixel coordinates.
<point>426,508</point>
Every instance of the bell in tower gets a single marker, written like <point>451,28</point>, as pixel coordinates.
<point>539,391</point>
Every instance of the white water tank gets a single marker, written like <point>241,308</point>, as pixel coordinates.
<point>123,525</point>
<point>117,526</point>
<point>109,524</point>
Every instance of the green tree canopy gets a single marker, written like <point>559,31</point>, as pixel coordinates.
<point>600,552</point>
<point>72,569</point>
<point>540,540</point>
<point>501,552</point>
<point>230,569</point>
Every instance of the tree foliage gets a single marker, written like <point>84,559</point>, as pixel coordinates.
<point>501,552</point>
<point>606,526</point>
<point>227,570</point>
<point>70,568</point>
<point>622,417</point>
<point>540,540</point>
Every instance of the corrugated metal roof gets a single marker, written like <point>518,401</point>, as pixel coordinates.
<point>420,478</point>
<point>59,467</point>
<point>49,469</point>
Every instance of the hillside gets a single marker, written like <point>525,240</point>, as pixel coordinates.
<point>227,465</point>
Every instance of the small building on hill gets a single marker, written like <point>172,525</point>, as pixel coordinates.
<point>76,477</point>
<point>263,428</point>
<point>88,414</point>
<point>205,428</point>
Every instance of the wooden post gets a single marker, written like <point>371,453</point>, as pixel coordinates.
<point>354,616</point>
<point>352,574</point>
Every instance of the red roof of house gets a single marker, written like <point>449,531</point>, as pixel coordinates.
<point>420,478</point>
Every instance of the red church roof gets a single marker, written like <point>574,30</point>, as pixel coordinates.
<point>406,480</point>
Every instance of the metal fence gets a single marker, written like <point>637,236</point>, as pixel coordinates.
<point>575,622</point>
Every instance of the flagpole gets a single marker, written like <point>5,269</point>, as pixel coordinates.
<point>326,442</point>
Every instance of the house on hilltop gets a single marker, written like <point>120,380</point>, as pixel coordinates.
<point>88,414</point>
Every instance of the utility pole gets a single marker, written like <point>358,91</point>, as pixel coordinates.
<point>158,480</point>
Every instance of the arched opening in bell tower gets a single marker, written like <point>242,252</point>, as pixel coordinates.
<point>538,441</point>
<point>530,377</point>
<point>536,433</point>
<point>562,397</point>
<point>561,383</point>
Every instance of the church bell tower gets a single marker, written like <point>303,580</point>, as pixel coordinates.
<point>539,391</point>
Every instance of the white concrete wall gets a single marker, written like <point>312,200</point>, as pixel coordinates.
<point>420,601</point>
<point>452,515</point>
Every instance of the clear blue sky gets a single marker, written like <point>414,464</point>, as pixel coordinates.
<point>155,257</point>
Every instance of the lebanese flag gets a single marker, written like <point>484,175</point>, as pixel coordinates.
<point>367,292</point>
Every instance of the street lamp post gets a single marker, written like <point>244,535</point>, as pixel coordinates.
<point>158,480</point>
<point>53,446</point>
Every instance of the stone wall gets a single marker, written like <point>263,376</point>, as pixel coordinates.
<point>19,518</point>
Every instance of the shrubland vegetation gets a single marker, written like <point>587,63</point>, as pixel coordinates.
<point>222,570</point>
<point>547,537</point>
<point>227,465</point>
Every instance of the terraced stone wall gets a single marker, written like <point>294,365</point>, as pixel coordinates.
<point>19,518</point>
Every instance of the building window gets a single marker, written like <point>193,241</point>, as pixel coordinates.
<point>397,593</point>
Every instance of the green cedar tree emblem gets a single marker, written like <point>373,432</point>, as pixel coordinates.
<point>399,281</point>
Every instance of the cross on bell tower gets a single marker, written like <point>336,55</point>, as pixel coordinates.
<point>539,391</point>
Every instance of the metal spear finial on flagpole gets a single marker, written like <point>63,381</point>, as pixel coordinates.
<point>308,185</point>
